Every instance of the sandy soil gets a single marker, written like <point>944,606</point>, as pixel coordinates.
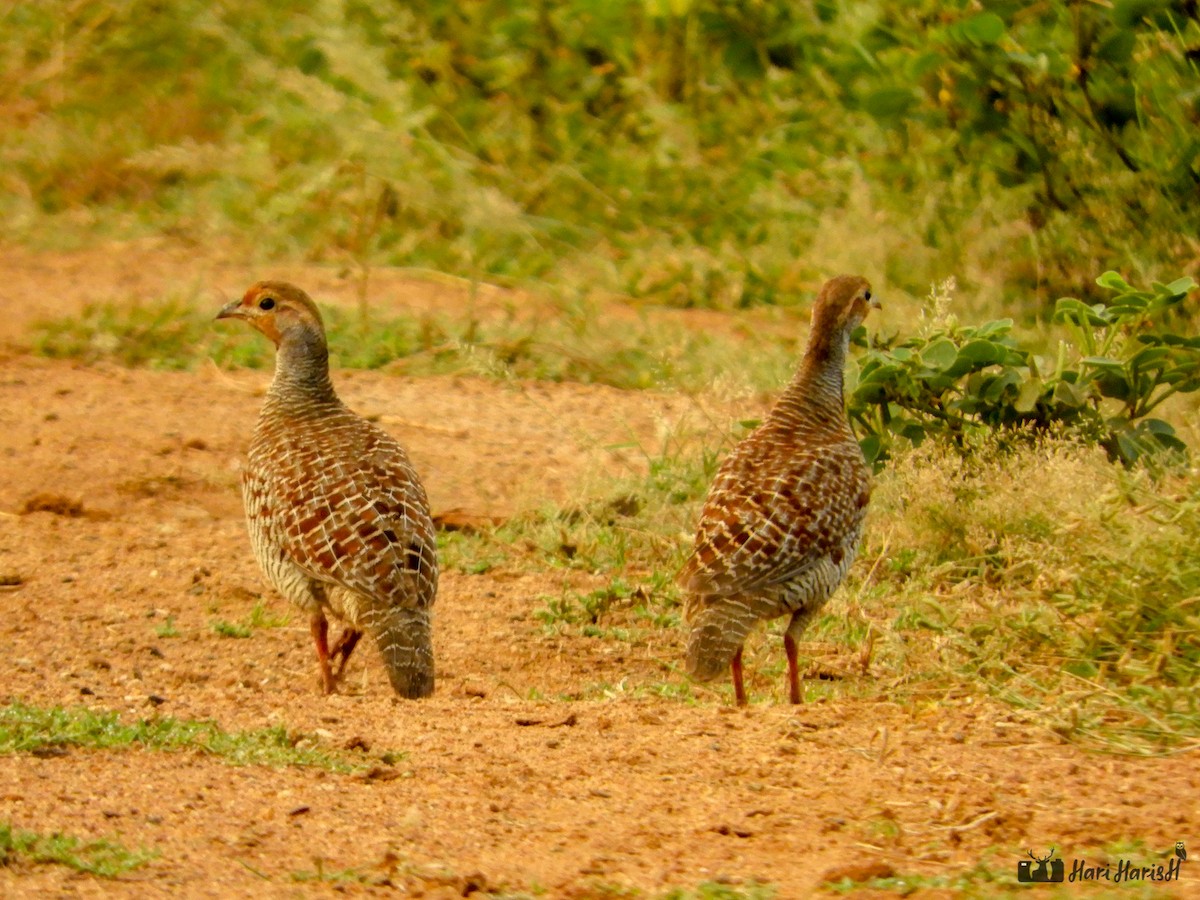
<point>139,520</point>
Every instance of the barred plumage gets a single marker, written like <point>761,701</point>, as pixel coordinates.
<point>338,519</point>
<point>783,518</point>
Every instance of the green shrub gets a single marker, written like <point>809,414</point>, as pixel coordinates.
<point>701,152</point>
<point>958,384</point>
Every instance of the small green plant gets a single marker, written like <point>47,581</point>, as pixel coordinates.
<point>957,384</point>
<point>615,611</point>
<point>576,608</point>
<point>262,617</point>
<point>167,629</point>
<point>103,858</point>
<point>1127,364</point>
<point>229,629</point>
<point>471,552</point>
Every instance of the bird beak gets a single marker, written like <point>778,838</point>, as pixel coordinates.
<point>874,303</point>
<point>233,310</point>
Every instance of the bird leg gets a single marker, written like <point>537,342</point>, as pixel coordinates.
<point>320,633</point>
<point>800,620</point>
<point>739,688</point>
<point>343,648</point>
<point>789,647</point>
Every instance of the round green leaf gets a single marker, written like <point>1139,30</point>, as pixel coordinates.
<point>940,355</point>
<point>985,28</point>
<point>976,355</point>
<point>1030,393</point>
<point>872,447</point>
<point>1067,394</point>
<point>1113,281</point>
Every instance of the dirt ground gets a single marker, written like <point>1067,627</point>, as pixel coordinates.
<point>496,792</point>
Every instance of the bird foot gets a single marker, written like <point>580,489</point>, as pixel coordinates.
<point>342,649</point>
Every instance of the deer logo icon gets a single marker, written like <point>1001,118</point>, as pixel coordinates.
<point>1048,871</point>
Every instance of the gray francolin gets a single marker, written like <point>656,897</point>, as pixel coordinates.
<point>337,517</point>
<point>783,518</point>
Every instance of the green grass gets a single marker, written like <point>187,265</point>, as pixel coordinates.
<point>102,858</point>
<point>260,616</point>
<point>617,611</point>
<point>561,342</point>
<point>321,875</point>
<point>1054,581</point>
<point>630,529</point>
<point>31,729</point>
<point>229,629</point>
<point>712,890</point>
<point>995,875</point>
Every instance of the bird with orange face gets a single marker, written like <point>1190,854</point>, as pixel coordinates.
<point>784,515</point>
<point>338,518</point>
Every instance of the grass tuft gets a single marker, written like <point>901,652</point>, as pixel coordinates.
<point>229,629</point>
<point>102,858</point>
<point>31,729</point>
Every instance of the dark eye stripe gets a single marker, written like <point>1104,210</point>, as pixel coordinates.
<point>266,303</point>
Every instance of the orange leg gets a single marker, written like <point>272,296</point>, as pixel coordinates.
<point>789,647</point>
<point>344,647</point>
<point>320,633</point>
<point>739,688</point>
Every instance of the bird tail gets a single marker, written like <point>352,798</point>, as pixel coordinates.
<point>718,630</point>
<point>405,640</point>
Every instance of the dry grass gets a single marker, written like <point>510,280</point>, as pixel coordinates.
<point>1045,576</point>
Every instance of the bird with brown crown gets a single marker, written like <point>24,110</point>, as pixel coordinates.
<point>784,515</point>
<point>338,518</point>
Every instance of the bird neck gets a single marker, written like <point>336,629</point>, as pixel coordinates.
<point>302,370</point>
<point>815,394</point>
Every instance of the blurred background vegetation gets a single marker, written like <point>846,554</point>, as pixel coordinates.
<point>689,152</point>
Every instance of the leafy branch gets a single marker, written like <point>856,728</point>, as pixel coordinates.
<point>959,383</point>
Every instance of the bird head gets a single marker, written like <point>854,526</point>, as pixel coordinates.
<point>277,309</point>
<point>842,304</point>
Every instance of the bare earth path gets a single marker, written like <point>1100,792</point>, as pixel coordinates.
<point>494,792</point>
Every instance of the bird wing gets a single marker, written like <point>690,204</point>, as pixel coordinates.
<point>769,518</point>
<point>360,518</point>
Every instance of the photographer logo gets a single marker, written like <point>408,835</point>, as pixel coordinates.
<point>1048,870</point>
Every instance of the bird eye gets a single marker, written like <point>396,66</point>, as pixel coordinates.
<point>866,295</point>
<point>266,303</point>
